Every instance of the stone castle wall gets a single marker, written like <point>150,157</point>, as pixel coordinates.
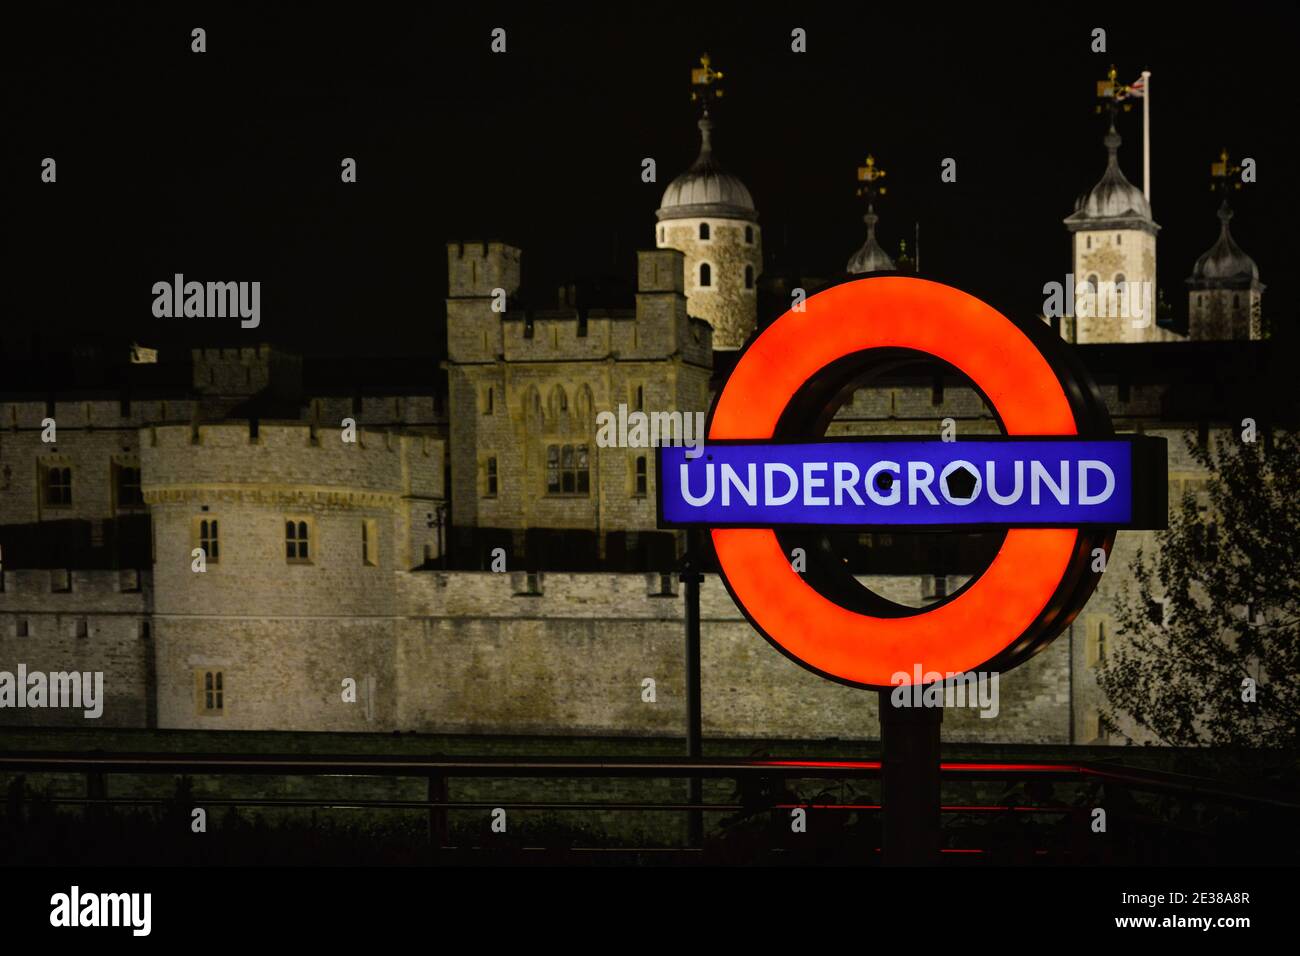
<point>545,386</point>
<point>80,621</point>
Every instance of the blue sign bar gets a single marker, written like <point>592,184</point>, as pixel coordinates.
<point>1043,482</point>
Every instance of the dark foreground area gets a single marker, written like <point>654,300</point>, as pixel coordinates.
<point>172,798</point>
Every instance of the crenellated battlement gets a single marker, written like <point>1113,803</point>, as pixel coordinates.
<point>95,413</point>
<point>245,371</point>
<point>245,354</point>
<point>297,454</point>
<point>475,269</point>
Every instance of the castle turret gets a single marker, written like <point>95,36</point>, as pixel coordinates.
<point>708,214</point>
<point>1224,291</point>
<point>1114,252</point>
<point>275,559</point>
<point>871,257</point>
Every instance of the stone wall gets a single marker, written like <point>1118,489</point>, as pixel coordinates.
<point>545,386</point>
<point>479,654</point>
<point>92,621</point>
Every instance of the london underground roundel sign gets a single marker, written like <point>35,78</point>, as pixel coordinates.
<point>1057,483</point>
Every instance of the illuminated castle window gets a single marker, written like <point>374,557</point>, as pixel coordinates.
<point>209,693</point>
<point>567,470</point>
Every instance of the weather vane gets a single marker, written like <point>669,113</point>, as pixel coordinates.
<point>704,83</point>
<point>868,175</point>
<point>1224,176</point>
<point>1115,94</point>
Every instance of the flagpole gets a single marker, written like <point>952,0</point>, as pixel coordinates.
<point>1146,134</point>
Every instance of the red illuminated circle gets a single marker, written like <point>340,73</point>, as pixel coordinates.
<point>1014,596</point>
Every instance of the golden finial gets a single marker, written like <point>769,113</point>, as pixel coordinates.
<point>704,77</point>
<point>868,174</point>
<point>1115,94</point>
<point>1222,171</point>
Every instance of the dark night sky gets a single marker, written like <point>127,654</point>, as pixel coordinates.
<point>225,166</point>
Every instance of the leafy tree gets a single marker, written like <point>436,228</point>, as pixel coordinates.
<point>1231,591</point>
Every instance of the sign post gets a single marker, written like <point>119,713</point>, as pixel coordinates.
<point>909,783</point>
<point>691,579</point>
<point>1057,484</point>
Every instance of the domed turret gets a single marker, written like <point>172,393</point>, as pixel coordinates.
<point>1114,199</point>
<point>708,215</point>
<point>871,257</point>
<point>1224,262</point>
<point>706,189</point>
<point>1224,292</point>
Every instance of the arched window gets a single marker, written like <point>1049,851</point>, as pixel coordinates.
<point>1087,306</point>
<point>704,230</point>
<point>1119,281</point>
<point>749,234</point>
<point>532,402</point>
<point>706,275</point>
<point>583,404</point>
<point>749,277</point>
<point>557,403</point>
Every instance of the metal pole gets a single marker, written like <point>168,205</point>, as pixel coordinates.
<point>909,788</point>
<point>1146,134</point>
<point>691,578</point>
